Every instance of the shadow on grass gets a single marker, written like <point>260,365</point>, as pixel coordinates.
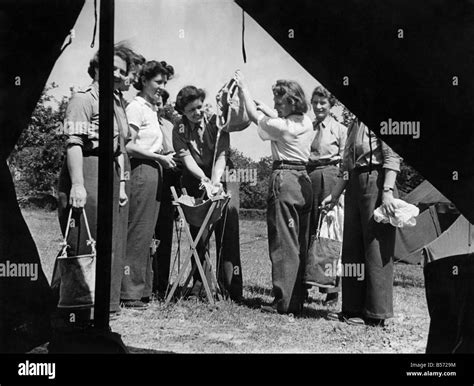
<point>140,350</point>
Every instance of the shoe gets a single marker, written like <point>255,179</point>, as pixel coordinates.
<point>353,320</point>
<point>375,322</point>
<point>335,316</point>
<point>331,299</point>
<point>134,304</point>
<point>113,315</point>
<point>269,309</point>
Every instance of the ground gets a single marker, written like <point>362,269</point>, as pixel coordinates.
<point>196,327</point>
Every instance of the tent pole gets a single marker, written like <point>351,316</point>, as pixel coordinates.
<point>105,184</point>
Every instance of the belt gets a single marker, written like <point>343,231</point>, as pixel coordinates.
<point>322,164</point>
<point>139,161</point>
<point>289,165</point>
<point>367,168</point>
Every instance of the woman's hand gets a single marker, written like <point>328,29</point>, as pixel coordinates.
<point>388,203</point>
<point>123,198</point>
<point>167,161</point>
<point>78,196</point>
<point>240,79</point>
<point>329,202</point>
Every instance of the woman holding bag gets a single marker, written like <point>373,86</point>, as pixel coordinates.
<point>372,168</point>
<point>78,180</point>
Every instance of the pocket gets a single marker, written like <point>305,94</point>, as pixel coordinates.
<point>275,186</point>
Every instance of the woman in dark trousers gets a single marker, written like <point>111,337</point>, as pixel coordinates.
<point>164,226</point>
<point>290,195</point>
<point>145,149</point>
<point>369,172</point>
<point>78,180</point>
<point>195,142</point>
<point>327,151</point>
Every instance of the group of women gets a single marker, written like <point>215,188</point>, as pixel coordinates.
<point>310,160</point>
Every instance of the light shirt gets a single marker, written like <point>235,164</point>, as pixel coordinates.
<point>142,117</point>
<point>357,152</point>
<point>290,137</point>
<point>329,141</point>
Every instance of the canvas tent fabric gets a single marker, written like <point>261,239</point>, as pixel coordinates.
<point>31,36</point>
<point>437,216</point>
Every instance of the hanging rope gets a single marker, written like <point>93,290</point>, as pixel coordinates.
<point>71,33</point>
<point>243,37</point>
<point>95,23</point>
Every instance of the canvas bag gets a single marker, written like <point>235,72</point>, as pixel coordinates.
<point>231,114</point>
<point>74,276</point>
<point>324,257</point>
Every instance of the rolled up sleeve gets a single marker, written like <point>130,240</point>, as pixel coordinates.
<point>77,121</point>
<point>179,142</point>
<point>391,160</point>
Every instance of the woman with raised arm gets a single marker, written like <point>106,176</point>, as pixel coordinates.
<point>290,133</point>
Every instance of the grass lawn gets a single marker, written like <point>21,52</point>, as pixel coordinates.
<point>196,327</point>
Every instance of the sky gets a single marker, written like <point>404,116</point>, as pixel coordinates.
<point>201,39</point>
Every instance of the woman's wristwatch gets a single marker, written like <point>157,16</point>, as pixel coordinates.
<point>387,189</point>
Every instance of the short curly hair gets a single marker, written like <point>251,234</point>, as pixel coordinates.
<point>187,95</point>
<point>321,92</point>
<point>293,93</point>
<point>121,51</point>
<point>148,71</point>
<point>169,68</point>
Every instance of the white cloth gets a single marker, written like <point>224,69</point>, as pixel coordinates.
<point>143,118</point>
<point>405,214</point>
<point>290,137</point>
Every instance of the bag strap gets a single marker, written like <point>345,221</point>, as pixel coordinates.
<point>90,242</point>
<point>320,222</point>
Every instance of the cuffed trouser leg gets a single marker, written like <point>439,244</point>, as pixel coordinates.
<point>369,290</point>
<point>229,273</point>
<point>288,213</point>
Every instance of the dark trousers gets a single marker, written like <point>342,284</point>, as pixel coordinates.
<point>145,184</point>
<point>288,217</point>
<point>229,268</point>
<point>323,179</point>
<point>368,245</point>
<point>164,231</point>
<point>91,174</point>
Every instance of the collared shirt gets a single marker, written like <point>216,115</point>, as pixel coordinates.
<point>357,152</point>
<point>81,122</point>
<point>142,116</point>
<point>329,141</point>
<point>167,131</point>
<point>290,137</point>
<point>199,141</point>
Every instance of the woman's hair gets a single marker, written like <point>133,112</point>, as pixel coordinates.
<point>321,92</point>
<point>93,64</point>
<point>293,93</point>
<point>169,68</point>
<point>149,71</point>
<point>164,96</point>
<point>187,95</point>
<point>120,50</point>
